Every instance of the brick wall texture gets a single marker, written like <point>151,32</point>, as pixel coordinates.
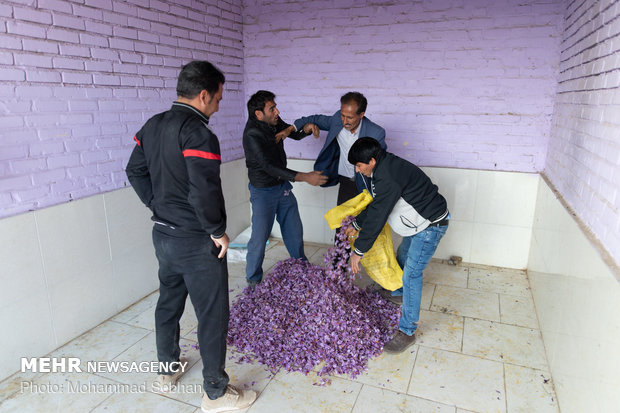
<point>583,157</point>
<point>78,79</point>
<point>455,83</point>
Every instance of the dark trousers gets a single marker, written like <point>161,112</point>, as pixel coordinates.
<point>346,189</point>
<point>190,265</point>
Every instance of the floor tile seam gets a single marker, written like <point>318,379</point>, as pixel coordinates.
<point>547,361</point>
<point>167,396</point>
<point>39,375</point>
<point>357,397</point>
<point>127,325</point>
<point>508,363</point>
<point>517,296</point>
<point>505,387</point>
<point>477,289</point>
<point>461,354</point>
<point>415,360</point>
<point>504,361</point>
<point>412,395</point>
<point>517,325</point>
<point>132,318</point>
<point>133,344</point>
<point>101,403</point>
<point>463,334</point>
<point>460,315</point>
<point>502,323</point>
<point>430,304</point>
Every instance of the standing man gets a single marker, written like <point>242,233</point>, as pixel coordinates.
<point>404,197</point>
<point>271,193</point>
<point>175,170</point>
<point>344,128</point>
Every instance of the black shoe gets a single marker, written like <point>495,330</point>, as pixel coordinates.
<point>387,294</point>
<point>399,343</point>
<point>253,284</point>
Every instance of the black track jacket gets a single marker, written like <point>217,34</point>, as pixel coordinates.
<point>175,170</point>
<point>266,159</point>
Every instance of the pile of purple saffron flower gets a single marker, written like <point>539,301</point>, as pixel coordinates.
<point>303,315</point>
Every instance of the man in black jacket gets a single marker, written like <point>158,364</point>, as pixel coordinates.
<point>404,197</point>
<point>271,193</point>
<point>175,170</point>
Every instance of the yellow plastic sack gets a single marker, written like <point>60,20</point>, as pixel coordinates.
<point>380,261</point>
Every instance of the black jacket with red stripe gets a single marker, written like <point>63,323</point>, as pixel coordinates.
<point>175,170</point>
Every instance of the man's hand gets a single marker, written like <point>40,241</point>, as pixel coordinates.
<point>311,127</point>
<point>284,133</point>
<point>314,178</point>
<point>351,232</point>
<point>355,262</point>
<point>222,243</point>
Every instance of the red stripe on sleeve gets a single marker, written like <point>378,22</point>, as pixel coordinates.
<point>137,141</point>
<point>201,154</point>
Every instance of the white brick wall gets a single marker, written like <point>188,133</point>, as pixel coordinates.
<point>78,79</point>
<point>583,159</point>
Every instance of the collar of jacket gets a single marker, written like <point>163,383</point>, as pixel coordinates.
<point>189,108</point>
<point>262,125</point>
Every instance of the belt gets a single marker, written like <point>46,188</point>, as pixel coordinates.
<point>442,223</point>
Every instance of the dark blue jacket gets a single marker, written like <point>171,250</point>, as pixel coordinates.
<point>327,161</point>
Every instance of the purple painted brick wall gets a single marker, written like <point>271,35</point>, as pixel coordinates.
<point>455,83</point>
<point>78,79</point>
<point>583,159</point>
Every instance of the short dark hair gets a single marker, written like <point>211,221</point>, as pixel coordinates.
<point>197,76</point>
<point>363,150</point>
<point>258,101</point>
<point>356,97</point>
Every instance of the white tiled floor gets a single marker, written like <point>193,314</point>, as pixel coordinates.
<point>479,349</point>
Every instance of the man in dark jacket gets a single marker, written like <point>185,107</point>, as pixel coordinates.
<point>404,197</point>
<point>271,193</point>
<point>175,170</point>
<point>344,128</point>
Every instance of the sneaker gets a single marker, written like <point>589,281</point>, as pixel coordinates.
<point>399,343</point>
<point>166,382</point>
<point>233,399</point>
<point>253,284</point>
<point>387,294</point>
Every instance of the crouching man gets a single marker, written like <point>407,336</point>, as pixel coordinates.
<point>404,197</point>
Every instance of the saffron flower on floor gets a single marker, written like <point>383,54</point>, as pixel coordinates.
<point>303,315</point>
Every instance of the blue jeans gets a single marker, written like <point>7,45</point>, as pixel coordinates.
<point>275,202</point>
<point>413,255</point>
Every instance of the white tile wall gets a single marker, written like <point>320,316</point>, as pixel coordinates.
<point>492,213</point>
<point>234,177</point>
<point>133,258</point>
<point>577,299</point>
<point>78,266</point>
<point>67,268</point>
